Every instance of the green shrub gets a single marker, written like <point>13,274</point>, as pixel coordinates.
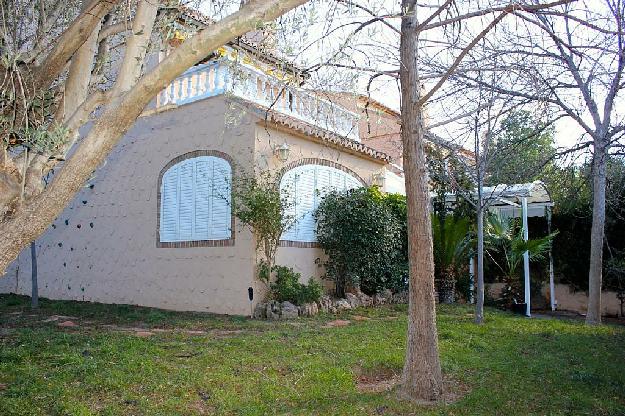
<point>363,234</point>
<point>287,287</point>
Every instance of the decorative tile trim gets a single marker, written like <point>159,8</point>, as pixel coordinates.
<point>228,242</point>
<point>313,161</point>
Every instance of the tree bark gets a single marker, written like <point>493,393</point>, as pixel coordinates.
<point>30,222</point>
<point>422,377</point>
<point>34,289</point>
<point>597,233</point>
<point>69,42</point>
<point>137,45</point>
<point>479,306</point>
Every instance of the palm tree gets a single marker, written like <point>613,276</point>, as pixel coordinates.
<point>451,242</point>
<point>505,236</point>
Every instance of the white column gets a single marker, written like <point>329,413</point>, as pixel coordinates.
<point>471,280</point>
<point>526,260</point>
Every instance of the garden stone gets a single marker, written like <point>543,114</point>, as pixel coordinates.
<point>289,311</point>
<point>400,297</point>
<point>325,304</point>
<point>378,299</point>
<point>353,300</point>
<point>364,299</point>
<point>273,311</point>
<point>260,311</point>
<point>342,304</point>
<point>309,309</point>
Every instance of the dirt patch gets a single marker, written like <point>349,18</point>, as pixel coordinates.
<point>376,380</point>
<point>360,318</point>
<point>336,323</point>
<point>67,324</point>
<point>383,379</point>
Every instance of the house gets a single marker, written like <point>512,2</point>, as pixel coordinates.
<point>154,225</point>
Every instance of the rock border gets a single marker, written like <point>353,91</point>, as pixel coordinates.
<point>274,310</point>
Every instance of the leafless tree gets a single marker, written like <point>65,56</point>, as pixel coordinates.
<point>570,60</point>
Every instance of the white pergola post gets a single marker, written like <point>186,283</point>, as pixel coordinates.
<point>471,279</point>
<point>552,286</point>
<point>526,259</point>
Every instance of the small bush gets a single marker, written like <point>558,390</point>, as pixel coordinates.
<point>287,287</point>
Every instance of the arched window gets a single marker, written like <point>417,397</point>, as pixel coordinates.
<point>195,200</point>
<point>304,187</point>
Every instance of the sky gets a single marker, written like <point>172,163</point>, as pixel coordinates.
<point>316,30</point>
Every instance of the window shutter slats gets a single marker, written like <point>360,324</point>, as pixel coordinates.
<point>305,205</point>
<point>186,201</point>
<point>288,191</point>
<point>169,205</point>
<point>220,209</point>
<point>202,199</point>
<point>311,183</point>
<point>195,200</point>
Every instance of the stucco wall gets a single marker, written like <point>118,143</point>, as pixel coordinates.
<point>306,261</point>
<point>103,247</point>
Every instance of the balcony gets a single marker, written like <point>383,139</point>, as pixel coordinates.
<point>215,78</point>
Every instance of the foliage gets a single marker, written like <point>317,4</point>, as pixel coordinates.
<point>287,287</point>
<point>615,276</point>
<point>506,236</point>
<point>451,242</point>
<point>571,191</point>
<point>522,150</point>
<point>450,237</point>
<point>259,204</point>
<point>363,237</point>
<point>50,370</point>
<point>448,175</point>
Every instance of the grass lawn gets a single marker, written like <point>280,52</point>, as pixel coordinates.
<point>204,364</point>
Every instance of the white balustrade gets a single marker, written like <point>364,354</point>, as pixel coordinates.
<point>214,78</point>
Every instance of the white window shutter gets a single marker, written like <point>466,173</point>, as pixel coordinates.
<point>203,178</point>
<point>169,205</point>
<point>186,200</point>
<point>196,200</point>
<point>288,191</point>
<point>306,196</point>
<point>221,212</point>
<point>312,183</point>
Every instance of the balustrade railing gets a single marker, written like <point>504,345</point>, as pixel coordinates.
<point>214,78</point>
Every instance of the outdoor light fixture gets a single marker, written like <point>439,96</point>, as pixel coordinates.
<point>379,179</point>
<point>282,152</point>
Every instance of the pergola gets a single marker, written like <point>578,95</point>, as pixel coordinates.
<point>521,201</point>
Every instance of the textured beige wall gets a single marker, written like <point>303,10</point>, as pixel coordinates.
<point>103,247</point>
<point>116,259</point>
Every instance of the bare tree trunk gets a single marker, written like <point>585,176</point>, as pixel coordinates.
<point>422,377</point>
<point>596,235</point>
<point>34,290</point>
<point>479,306</point>
<point>30,222</point>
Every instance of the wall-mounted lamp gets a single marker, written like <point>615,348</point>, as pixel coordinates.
<point>282,152</point>
<point>379,179</point>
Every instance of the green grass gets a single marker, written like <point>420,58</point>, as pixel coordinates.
<point>510,365</point>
